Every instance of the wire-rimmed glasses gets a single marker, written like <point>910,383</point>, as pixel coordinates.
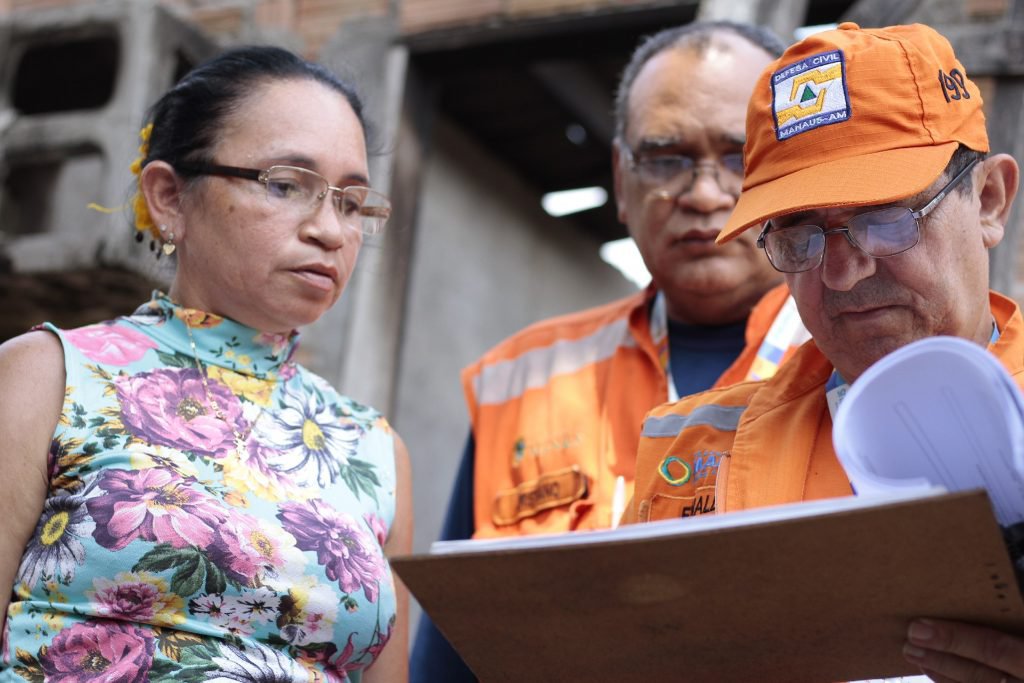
<point>879,233</point>
<point>300,190</point>
<point>676,173</point>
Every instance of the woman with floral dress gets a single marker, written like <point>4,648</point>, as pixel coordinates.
<point>180,499</point>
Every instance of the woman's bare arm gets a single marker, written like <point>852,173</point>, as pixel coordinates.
<point>31,400</point>
<point>393,664</point>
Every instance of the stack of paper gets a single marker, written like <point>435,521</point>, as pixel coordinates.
<point>939,412</point>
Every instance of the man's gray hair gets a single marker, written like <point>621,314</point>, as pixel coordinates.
<point>697,36</point>
<point>961,157</point>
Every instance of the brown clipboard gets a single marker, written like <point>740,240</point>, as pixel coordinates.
<point>819,598</point>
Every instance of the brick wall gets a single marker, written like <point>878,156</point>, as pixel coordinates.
<point>416,16</point>
<point>315,21</point>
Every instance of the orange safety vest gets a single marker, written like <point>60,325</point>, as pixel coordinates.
<point>556,412</point>
<point>762,443</point>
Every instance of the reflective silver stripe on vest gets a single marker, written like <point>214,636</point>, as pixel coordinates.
<point>511,378</point>
<point>720,417</point>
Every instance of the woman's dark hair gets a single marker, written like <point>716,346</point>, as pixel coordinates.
<point>189,117</point>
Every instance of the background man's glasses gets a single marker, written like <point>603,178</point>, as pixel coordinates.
<point>879,233</point>
<point>298,191</point>
<point>677,173</point>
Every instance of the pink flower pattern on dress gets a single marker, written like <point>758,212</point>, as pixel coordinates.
<point>378,526</point>
<point>336,667</point>
<point>101,651</point>
<point>110,344</point>
<point>382,640</point>
<point>340,544</point>
<point>170,407</point>
<point>244,550</point>
<point>135,601</point>
<point>154,504</point>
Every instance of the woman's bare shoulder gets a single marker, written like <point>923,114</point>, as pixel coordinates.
<point>31,378</point>
<point>33,356</point>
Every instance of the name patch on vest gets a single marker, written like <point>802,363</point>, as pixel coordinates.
<point>534,496</point>
<point>667,506</point>
<point>701,504</point>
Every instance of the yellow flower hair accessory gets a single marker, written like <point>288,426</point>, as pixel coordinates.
<point>143,221</point>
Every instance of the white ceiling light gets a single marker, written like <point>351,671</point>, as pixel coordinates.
<point>565,202</point>
<point>625,257</point>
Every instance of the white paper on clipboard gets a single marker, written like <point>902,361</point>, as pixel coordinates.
<point>938,412</point>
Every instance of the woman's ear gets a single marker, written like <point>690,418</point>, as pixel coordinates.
<point>998,180</point>
<point>162,188</point>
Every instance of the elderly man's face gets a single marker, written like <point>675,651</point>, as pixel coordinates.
<point>687,104</point>
<point>859,308</point>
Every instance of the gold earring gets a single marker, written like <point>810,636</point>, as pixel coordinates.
<point>168,245</point>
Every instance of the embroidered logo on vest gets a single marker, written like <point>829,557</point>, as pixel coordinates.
<point>705,464</point>
<point>543,446</point>
<point>675,470</point>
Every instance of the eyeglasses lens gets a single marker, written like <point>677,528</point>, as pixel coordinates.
<point>297,190</point>
<point>885,232</point>
<point>794,249</point>
<point>292,187</point>
<point>678,170</point>
<point>364,208</point>
<point>660,170</point>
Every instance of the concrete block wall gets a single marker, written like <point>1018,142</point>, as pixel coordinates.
<point>516,266</point>
<point>75,82</point>
<point>303,25</point>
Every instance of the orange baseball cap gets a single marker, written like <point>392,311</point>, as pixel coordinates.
<point>854,117</point>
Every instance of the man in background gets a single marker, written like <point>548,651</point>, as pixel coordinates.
<point>556,409</point>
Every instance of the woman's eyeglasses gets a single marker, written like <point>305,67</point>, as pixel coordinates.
<point>878,233</point>
<point>299,190</point>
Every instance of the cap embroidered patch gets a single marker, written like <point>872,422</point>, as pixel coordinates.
<point>809,94</point>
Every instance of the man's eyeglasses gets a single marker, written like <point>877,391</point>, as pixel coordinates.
<point>676,173</point>
<point>879,233</point>
<point>299,190</point>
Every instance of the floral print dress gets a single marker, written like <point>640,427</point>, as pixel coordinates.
<point>226,530</point>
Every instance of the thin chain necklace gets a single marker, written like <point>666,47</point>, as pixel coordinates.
<point>201,367</point>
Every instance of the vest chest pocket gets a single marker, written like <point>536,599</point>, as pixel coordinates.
<point>664,506</point>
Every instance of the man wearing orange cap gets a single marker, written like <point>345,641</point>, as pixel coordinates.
<point>868,177</point>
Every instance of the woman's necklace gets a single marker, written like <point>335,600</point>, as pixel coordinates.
<point>201,367</point>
